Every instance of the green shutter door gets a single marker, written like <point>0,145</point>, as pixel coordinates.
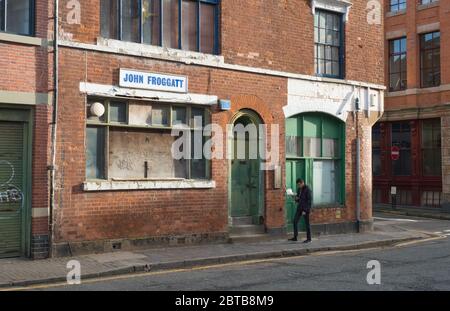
<point>11,188</point>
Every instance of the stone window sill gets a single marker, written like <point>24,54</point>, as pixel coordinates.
<point>159,52</point>
<point>327,206</point>
<point>395,13</point>
<point>114,185</point>
<point>27,40</point>
<point>427,6</point>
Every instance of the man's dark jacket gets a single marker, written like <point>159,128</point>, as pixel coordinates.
<point>304,200</point>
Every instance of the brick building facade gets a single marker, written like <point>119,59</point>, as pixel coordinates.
<point>25,115</point>
<point>416,106</point>
<point>128,77</point>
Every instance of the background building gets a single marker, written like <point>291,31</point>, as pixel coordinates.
<point>416,114</point>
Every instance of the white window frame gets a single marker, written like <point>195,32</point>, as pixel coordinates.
<point>338,6</point>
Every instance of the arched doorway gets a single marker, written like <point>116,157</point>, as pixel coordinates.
<point>246,191</point>
<point>315,152</point>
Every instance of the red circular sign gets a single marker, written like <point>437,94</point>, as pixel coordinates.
<point>395,153</point>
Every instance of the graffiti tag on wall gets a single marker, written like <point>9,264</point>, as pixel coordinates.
<point>9,193</point>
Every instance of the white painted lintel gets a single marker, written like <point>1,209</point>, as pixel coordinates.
<point>103,90</point>
<point>148,185</point>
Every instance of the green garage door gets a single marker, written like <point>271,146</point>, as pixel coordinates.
<point>12,187</point>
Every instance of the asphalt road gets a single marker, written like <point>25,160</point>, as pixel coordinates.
<point>419,266</point>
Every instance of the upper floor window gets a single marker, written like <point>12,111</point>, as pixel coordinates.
<point>181,24</point>
<point>397,64</point>
<point>328,38</point>
<point>397,5</point>
<point>428,1</point>
<point>430,59</point>
<point>16,16</point>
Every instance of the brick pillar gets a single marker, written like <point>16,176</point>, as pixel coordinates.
<point>365,135</point>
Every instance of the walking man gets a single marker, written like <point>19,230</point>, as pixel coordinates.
<point>304,201</point>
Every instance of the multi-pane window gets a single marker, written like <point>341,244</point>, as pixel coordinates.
<point>401,137</point>
<point>397,64</point>
<point>17,16</point>
<point>430,59</point>
<point>316,142</point>
<point>328,38</point>
<point>397,5</point>
<point>431,198</point>
<point>376,150</point>
<point>134,140</point>
<point>182,24</point>
<point>431,147</point>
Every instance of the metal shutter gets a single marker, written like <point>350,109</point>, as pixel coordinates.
<point>11,188</point>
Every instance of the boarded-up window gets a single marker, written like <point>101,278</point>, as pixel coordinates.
<point>134,140</point>
<point>143,154</point>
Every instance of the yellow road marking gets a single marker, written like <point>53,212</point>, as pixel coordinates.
<point>214,266</point>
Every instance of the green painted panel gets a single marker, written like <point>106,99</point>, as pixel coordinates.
<point>293,127</point>
<point>331,128</point>
<point>245,182</point>
<point>312,125</point>
<point>12,188</point>
<point>294,169</point>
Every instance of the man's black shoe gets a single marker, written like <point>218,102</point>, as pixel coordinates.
<point>307,241</point>
<point>293,239</point>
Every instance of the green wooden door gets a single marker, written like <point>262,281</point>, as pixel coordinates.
<point>12,188</point>
<point>244,185</point>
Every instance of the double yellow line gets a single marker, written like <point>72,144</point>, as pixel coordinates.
<point>215,266</point>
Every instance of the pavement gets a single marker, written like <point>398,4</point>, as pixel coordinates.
<point>23,272</point>
<point>424,212</point>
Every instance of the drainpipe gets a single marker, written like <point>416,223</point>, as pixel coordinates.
<point>358,165</point>
<point>358,184</point>
<point>54,121</point>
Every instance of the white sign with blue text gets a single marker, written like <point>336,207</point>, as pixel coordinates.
<point>153,81</point>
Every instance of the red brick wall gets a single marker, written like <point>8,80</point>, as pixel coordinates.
<point>254,28</point>
<point>408,22</point>
<point>41,158</point>
<point>27,68</point>
<point>24,67</point>
<point>88,216</point>
<point>276,35</point>
<point>99,215</point>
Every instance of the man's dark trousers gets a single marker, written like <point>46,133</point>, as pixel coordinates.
<point>297,217</point>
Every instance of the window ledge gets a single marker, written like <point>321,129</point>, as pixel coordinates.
<point>327,206</point>
<point>395,13</point>
<point>8,37</point>
<point>427,6</point>
<point>161,52</point>
<point>147,184</point>
<point>418,91</point>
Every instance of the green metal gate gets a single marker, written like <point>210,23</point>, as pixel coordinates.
<point>13,187</point>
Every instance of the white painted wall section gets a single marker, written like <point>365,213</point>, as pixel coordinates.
<point>334,99</point>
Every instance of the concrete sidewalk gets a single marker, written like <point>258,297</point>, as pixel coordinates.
<point>423,212</point>
<point>23,272</point>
